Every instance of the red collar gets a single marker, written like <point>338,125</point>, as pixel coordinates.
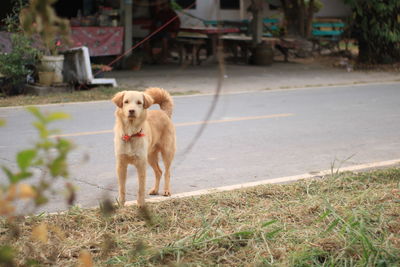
<point>127,138</point>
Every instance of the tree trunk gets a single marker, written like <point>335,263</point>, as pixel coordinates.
<point>364,52</point>
<point>310,16</point>
<point>293,18</point>
<point>302,17</point>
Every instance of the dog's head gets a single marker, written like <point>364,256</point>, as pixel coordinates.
<point>132,104</point>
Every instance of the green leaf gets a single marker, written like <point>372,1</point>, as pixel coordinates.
<point>41,127</point>
<point>55,116</point>
<point>63,145</point>
<point>324,215</point>
<point>268,223</point>
<point>21,176</point>
<point>244,234</point>
<point>332,225</point>
<point>25,158</point>
<point>46,145</point>
<point>58,167</point>
<point>10,175</point>
<point>15,178</point>
<point>7,255</point>
<point>40,200</point>
<point>36,112</point>
<point>2,122</point>
<point>271,234</point>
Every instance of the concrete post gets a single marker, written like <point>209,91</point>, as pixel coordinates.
<point>258,27</point>
<point>127,9</point>
<point>256,8</point>
<point>242,10</point>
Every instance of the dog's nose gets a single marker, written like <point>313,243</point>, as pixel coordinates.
<point>131,111</point>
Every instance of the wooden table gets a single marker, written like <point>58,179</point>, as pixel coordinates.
<point>246,43</point>
<point>213,33</point>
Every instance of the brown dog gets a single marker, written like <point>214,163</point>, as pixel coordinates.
<point>140,135</point>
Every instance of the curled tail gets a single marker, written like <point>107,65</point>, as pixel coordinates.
<point>161,97</point>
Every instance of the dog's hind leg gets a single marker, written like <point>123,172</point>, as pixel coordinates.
<point>153,161</point>
<point>168,156</point>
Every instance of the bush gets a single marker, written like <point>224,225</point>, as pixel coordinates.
<point>376,27</point>
<point>19,63</point>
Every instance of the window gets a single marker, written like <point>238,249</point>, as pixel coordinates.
<point>185,4</point>
<point>229,4</point>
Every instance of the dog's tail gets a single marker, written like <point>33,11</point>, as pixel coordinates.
<point>161,97</point>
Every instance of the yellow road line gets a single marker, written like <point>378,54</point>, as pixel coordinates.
<point>234,119</point>
<point>82,134</point>
<point>189,124</point>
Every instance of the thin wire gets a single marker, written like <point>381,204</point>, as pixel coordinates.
<point>218,89</point>
<point>144,40</point>
<point>211,110</point>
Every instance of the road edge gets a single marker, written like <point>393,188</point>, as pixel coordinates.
<point>355,84</point>
<point>280,180</point>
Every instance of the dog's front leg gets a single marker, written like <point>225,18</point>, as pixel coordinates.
<point>141,170</point>
<point>122,168</point>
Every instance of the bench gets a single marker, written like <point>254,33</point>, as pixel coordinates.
<point>327,34</point>
<point>270,27</point>
<point>242,44</point>
<point>189,49</point>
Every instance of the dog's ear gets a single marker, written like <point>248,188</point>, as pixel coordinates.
<point>118,99</point>
<point>147,100</point>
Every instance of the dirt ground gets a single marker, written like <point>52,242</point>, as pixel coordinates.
<point>297,73</point>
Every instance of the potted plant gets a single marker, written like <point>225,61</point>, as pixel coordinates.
<point>39,19</point>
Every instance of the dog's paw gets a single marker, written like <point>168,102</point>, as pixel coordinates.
<point>121,202</point>
<point>153,192</point>
<point>167,193</point>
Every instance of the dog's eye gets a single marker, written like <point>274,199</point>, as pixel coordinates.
<point>139,102</point>
<point>126,101</point>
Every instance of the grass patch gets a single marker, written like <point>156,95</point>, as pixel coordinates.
<point>94,94</point>
<point>341,220</point>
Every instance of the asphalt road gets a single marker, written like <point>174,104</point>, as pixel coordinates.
<point>252,136</point>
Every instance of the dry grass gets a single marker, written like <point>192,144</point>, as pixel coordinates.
<point>94,94</point>
<point>344,220</point>
<point>100,93</point>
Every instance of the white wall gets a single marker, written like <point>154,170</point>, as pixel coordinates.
<point>209,10</point>
<point>333,8</point>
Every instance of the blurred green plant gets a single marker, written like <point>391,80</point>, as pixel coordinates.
<point>11,21</point>
<point>49,156</point>
<point>40,18</point>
